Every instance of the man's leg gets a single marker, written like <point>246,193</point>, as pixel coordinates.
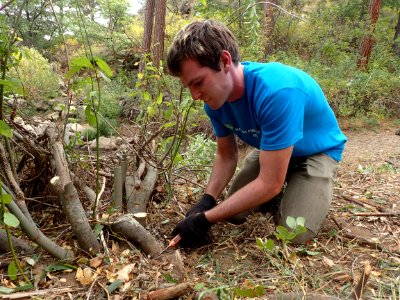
<point>249,172</point>
<point>308,193</point>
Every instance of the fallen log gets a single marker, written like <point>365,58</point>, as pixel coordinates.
<point>128,227</point>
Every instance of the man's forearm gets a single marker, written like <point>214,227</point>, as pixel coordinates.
<point>222,172</point>
<point>252,195</point>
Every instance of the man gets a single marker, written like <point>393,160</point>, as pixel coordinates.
<point>280,111</point>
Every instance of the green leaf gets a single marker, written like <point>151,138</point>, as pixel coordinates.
<point>5,130</point>
<point>113,286</point>
<point>24,287</point>
<point>6,198</point>
<point>90,116</point>
<point>159,98</point>
<point>151,111</point>
<point>291,222</point>
<point>260,243</point>
<point>12,270</point>
<point>55,268</point>
<point>170,279</point>
<point>146,96</point>
<point>103,66</point>
<point>169,124</point>
<point>281,232</point>
<point>82,62</point>
<point>6,291</point>
<point>8,83</point>
<point>301,221</point>
<point>10,219</point>
<point>270,245</point>
<point>97,229</point>
<point>72,71</point>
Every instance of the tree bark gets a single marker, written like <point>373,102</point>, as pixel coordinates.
<point>138,195</point>
<point>368,41</point>
<point>268,28</point>
<point>69,197</point>
<point>35,235</point>
<point>134,232</point>
<point>159,30</point>
<point>77,218</point>
<point>20,246</point>
<point>148,31</point>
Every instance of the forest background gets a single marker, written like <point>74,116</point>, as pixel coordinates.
<point>91,63</point>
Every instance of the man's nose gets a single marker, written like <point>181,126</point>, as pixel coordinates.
<point>196,94</point>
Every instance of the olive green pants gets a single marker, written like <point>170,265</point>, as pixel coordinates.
<point>307,192</point>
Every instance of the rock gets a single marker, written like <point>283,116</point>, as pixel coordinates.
<point>105,143</point>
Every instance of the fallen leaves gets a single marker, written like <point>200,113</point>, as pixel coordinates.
<point>85,276</point>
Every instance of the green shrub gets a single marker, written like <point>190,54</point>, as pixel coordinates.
<point>36,75</point>
<point>105,129</point>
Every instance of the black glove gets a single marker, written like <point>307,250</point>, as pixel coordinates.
<point>193,230</point>
<point>205,203</point>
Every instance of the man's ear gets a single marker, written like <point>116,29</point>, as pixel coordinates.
<point>225,58</point>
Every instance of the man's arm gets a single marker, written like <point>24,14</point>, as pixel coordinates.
<point>273,169</point>
<point>224,165</point>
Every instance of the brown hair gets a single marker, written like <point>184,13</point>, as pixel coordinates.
<point>202,41</point>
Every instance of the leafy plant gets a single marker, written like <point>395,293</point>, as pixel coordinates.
<point>36,75</point>
<point>199,154</point>
<point>285,235</point>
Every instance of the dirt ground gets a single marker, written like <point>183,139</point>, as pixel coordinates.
<point>363,228</point>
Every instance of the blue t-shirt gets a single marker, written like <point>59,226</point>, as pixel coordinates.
<point>281,106</point>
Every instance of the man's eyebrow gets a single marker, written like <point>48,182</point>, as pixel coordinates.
<point>193,79</point>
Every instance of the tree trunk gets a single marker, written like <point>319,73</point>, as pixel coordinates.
<point>268,28</point>
<point>396,44</point>
<point>148,31</point>
<point>159,30</point>
<point>367,43</point>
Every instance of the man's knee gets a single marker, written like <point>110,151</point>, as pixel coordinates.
<point>304,237</point>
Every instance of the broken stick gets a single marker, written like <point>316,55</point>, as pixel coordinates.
<point>169,292</point>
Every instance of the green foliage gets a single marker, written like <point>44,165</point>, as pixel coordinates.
<point>285,235</point>
<point>36,76</point>
<point>5,130</point>
<point>104,129</point>
<point>199,154</point>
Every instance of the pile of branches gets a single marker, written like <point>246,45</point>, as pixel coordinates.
<point>38,165</point>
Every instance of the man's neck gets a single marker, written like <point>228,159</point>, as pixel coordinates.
<point>238,83</point>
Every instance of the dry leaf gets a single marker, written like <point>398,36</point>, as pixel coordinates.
<point>85,276</point>
<point>327,262</point>
<point>123,274</point>
<point>96,262</point>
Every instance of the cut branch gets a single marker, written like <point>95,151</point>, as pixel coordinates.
<point>128,227</point>
<point>169,292</point>
<point>69,197</point>
<point>19,194</point>
<point>35,235</point>
<point>138,197</point>
<point>20,246</point>
<point>77,218</point>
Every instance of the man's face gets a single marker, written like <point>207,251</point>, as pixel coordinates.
<point>204,83</point>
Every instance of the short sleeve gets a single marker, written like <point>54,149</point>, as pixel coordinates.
<point>282,118</point>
